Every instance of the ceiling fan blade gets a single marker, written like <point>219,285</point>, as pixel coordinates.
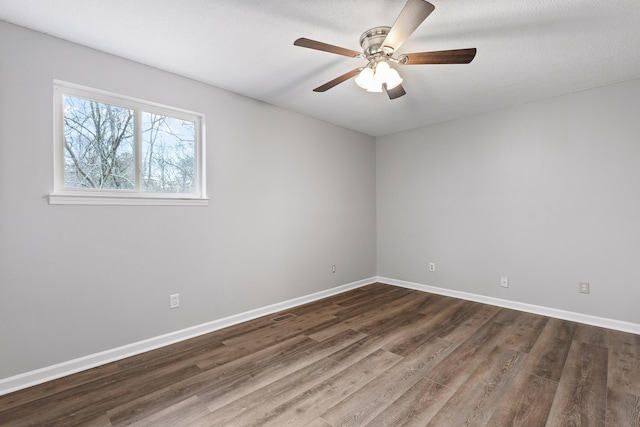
<point>410,18</point>
<point>312,44</point>
<point>394,93</point>
<point>338,80</point>
<point>454,56</point>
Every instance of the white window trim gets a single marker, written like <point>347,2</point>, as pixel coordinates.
<point>70,196</point>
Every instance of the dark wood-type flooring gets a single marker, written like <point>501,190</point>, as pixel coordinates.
<point>379,355</point>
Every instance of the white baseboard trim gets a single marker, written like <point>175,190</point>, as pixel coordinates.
<point>529,308</point>
<point>48,373</point>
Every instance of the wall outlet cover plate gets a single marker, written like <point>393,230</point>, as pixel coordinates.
<point>504,281</point>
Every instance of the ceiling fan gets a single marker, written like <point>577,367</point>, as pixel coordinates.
<point>379,45</point>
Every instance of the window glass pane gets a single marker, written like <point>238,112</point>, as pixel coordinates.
<point>98,142</point>
<point>168,154</point>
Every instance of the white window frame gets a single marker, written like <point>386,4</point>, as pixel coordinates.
<point>62,195</point>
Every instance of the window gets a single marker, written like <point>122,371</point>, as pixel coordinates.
<point>111,149</point>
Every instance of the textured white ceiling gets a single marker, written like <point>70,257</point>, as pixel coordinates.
<point>527,50</point>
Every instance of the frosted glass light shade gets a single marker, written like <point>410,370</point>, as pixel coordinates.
<point>393,79</point>
<point>382,71</point>
<point>375,87</point>
<point>365,79</point>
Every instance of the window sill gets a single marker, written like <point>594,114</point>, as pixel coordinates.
<point>121,200</point>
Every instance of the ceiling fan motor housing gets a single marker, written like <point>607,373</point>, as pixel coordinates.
<point>371,42</point>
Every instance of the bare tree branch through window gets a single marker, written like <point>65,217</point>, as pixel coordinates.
<point>100,149</point>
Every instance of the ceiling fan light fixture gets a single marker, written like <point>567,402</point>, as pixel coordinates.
<point>375,87</point>
<point>366,78</point>
<point>381,71</point>
<point>393,79</point>
<point>371,78</point>
<point>387,75</point>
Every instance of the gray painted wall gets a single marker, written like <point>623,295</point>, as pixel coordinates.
<point>290,196</point>
<point>546,193</point>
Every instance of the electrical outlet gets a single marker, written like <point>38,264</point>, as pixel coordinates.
<point>174,301</point>
<point>583,287</point>
<point>432,266</point>
<point>333,268</point>
<point>504,281</point>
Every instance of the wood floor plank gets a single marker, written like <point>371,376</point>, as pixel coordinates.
<point>283,365</point>
<point>264,337</point>
<point>182,356</point>
<point>623,380</point>
<point>337,303</point>
<point>551,348</point>
<point>56,387</point>
<point>437,301</point>
<point>467,319</point>
<point>428,303</point>
<point>370,306</point>
<point>265,399</point>
<point>529,403</point>
<point>242,328</point>
<point>624,362</point>
<point>318,422</point>
<point>138,408</point>
<point>386,295</point>
<point>416,407</point>
<point>375,396</point>
<point>525,333</point>
<point>427,328</point>
<point>379,355</point>
<point>82,403</point>
<point>436,304</point>
<point>586,367</point>
<point>454,370</point>
<point>385,325</point>
<point>474,402</point>
<point>99,421</point>
<point>358,350</point>
<point>623,409</point>
<point>310,404</point>
<point>455,323</point>
<point>582,391</point>
<point>184,413</point>
<point>594,335</point>
<point>368,320</point>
